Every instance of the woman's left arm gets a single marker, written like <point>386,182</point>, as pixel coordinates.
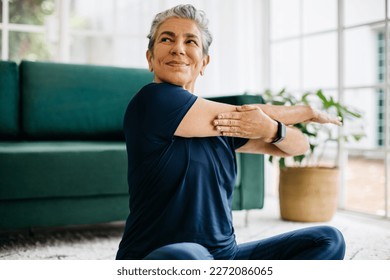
<point>294,144</point>
<point>246,123</point>
<point>250,124</point>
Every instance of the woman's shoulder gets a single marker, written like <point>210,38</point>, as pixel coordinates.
<point>158,87</point>
<point>163,92</point>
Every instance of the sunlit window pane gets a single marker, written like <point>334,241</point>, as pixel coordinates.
<point>319,15</point>
<point>360,56</point>
<point>285,65</point>
<point>130,52</point>
<point>285,16</point>
<point>363,11</point>
<point>92,15</point>
<point>91,50</point>
<point>30,12</point>
<point>132,17</point>
<point>126,52</point>
<point>365,101</point>
<point>388,16</point>
<point>320,61</point>
<point>29,46</point>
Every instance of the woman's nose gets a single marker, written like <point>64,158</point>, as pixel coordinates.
<point>178,48</point>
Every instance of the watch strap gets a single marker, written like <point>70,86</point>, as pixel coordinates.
<point>281,133</point>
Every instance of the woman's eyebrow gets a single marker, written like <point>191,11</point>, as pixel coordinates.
<point>190,35</point>
<point>173,34</point>
<point>169,33</point>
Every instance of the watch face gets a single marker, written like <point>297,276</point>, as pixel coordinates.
<point>281,134</point>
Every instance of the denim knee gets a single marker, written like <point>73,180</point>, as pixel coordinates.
<point>335,241</point>
<point>180,251</point>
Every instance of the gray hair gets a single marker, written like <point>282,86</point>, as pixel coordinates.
<point>186,12</point>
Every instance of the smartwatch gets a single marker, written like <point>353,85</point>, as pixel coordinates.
<point>281,134</point>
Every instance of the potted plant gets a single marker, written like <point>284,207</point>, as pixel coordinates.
<point>308,184</point>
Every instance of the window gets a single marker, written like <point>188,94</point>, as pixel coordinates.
<point>340,46</point>
<point>114,33</point>
<point>24,31</point>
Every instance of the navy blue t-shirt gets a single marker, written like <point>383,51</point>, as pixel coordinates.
<point>180,188</point>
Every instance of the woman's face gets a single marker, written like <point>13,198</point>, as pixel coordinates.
<point>177,55</point>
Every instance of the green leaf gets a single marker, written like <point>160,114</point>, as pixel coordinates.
<point>282,163</point>
<point>299,158</point>
<point>304,98</point>
<point>320,95</point>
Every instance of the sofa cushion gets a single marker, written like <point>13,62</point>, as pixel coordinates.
<point>62,169</point>
<point>9,100</point>
<point>76,102</point>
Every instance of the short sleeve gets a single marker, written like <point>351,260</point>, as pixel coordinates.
<point>161,108</point>
<point>239,142</point>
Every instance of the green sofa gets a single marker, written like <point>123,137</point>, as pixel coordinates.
<point>62,152</point>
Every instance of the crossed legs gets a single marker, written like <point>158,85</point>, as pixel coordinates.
<point>312,243</point>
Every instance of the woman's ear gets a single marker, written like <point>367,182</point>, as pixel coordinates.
<point>206,61</point>
<point>149,57</point>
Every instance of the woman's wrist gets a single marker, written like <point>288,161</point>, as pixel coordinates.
<point>272,131</point>
<point>310,113</point>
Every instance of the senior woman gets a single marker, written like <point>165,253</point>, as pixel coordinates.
<point>181,157</point>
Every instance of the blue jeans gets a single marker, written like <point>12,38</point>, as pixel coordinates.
<point>312,243</point>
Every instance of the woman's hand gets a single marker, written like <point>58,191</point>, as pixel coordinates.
<point>323,118</point>
<point>290,115</point>
<point>249,121</point>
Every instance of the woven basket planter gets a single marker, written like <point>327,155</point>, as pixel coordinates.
<point>308,194</point>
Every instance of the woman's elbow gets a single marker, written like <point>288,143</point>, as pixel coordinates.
<point>299,148</point>
<point>302,148</point>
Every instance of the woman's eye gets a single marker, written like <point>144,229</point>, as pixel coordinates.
<point>192,42</point>
<point>165,39</point>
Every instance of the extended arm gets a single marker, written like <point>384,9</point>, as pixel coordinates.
<point>290,115</point>
<point>208,118</point>
<point>200,122</point>
<point>251,124</point>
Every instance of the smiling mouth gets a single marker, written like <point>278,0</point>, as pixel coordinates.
<point>177,64</point>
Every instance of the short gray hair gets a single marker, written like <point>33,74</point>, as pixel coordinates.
<point>186,12</point>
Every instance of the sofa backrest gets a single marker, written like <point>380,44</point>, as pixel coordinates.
<point>9,100</point>
<point>76,102</point>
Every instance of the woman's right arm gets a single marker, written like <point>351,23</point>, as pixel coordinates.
<point>291,115</point>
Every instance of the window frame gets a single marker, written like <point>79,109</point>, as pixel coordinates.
<point>341,87</point>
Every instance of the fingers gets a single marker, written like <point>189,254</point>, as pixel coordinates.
<point>334,120</point>
<point>325,118</point>
<point>339,121</point>
<point>244,108</point>
<point>231,131</point>
<point>230,115</point>
<point>237,115</point>
<point>234,124</point>
<point>227,127</point>
<point>227,122</point>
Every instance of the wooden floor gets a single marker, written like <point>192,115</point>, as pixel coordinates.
<point>367,238</point>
